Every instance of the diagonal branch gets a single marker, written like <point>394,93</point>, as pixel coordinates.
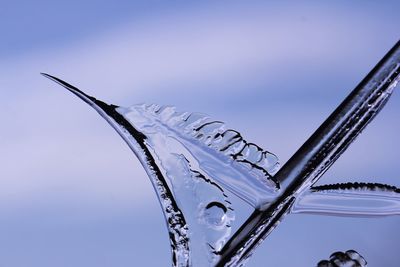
<point>317,154</point>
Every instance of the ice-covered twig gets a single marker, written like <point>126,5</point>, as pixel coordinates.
<point>317,154</point>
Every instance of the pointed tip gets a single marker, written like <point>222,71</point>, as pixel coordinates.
<point>45,74</point>
<point>51,77</point>
<point>105,110</point>
<point>87,98</point>
<point>61,82</point>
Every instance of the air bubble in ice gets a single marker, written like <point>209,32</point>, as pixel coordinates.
<point>215,214</point>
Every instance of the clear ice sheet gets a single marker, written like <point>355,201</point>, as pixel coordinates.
<point>216,178</point>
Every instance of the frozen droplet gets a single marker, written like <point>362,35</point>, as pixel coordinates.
<point>354,255</point>
<point>350,258</point>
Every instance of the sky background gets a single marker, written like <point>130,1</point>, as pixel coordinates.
<point>71,191</point>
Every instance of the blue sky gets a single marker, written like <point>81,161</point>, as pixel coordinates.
<point>72,193</point>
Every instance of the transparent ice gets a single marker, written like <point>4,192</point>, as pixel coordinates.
<point>221,195</point>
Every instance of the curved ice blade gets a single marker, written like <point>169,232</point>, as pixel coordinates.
<point>208,179</point>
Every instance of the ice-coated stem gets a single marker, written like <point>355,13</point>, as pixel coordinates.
<point>316,155</point>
